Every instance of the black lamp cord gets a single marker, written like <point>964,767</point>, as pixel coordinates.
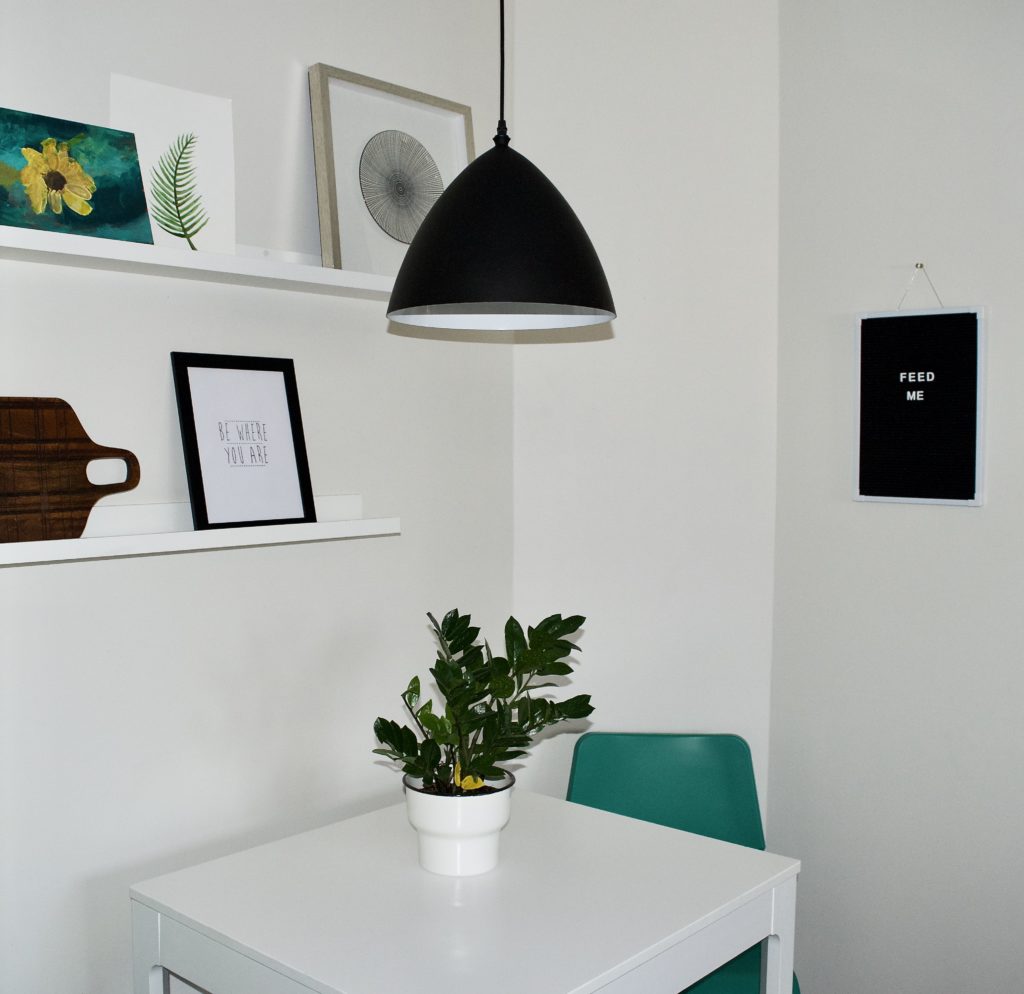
<point>501,138</point>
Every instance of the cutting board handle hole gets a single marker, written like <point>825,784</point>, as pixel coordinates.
<point>102,472</point>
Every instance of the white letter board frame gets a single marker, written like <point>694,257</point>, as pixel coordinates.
<point>919,331</point>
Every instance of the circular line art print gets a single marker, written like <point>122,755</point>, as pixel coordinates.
<point>399,181</point>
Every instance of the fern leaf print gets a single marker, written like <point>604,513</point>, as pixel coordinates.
<point>177,207</point>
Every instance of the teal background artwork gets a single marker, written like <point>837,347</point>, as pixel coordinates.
<point>107,156</point>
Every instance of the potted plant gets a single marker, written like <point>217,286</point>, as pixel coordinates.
<point>458,794</point>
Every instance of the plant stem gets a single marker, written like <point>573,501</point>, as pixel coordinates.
<point>177,206</point>
<point>415,717</point>
<point>441,641</point>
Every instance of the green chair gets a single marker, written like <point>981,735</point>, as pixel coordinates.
<point>698,783</point>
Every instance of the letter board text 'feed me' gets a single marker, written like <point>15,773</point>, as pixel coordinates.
<point>920,407</point>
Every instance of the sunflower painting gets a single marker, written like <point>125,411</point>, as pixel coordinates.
<point>58,175</point>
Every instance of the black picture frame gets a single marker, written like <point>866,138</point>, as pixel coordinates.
<point>920,407</point>
<point>242,439</point>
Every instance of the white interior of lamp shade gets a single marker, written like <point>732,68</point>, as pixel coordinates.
<point>501,316</point>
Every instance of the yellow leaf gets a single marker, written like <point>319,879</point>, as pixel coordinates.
<point>468,782</point>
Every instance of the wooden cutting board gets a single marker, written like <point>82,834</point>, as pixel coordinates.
<point>44,451</point>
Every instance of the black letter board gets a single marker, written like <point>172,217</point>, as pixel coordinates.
<point>920,407</point>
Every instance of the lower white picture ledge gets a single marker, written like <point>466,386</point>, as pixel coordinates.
<point>123,530</point>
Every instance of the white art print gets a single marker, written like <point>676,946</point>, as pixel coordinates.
<point>188,135</point>
<point>350,113</point>
<point>243,442</point>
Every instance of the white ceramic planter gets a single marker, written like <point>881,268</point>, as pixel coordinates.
<point>458,836</point>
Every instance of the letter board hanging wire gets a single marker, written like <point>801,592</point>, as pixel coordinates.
<point>919,267</point>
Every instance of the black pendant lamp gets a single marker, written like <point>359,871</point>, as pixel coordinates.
<point>501,250</point>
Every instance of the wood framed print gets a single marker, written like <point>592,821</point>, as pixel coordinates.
<point>383,155</point>
<point>241,431</point>
<point>920,407</point>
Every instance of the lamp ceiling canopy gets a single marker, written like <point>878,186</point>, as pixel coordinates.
<point>501,250</point>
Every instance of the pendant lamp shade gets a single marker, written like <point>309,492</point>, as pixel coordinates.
<point>501,250</point>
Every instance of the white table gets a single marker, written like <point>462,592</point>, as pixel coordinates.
<point>581,901</point>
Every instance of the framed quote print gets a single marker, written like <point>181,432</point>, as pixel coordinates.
<point>241,432</point>
<point>920,407</point>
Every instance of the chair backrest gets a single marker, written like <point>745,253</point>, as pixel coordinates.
<point>698,783</point>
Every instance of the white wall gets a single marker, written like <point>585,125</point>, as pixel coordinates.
<point>156,712</point>
<point>896,723</point>
<point>645,462</point>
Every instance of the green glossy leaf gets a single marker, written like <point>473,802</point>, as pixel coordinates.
<point>572,624</point>
<point>555,626</point>
<point>529,659</point>
<point>502,686</point>
<point>462,639</point>
<point>387,732</point>
<point>430,755</point>
<point>412,692</point>
<point>515,643</point>
<point>576,707</point>
<point>524,710</point>
<point>438,728</point>
<point>431,722</point>
<point>553,669</point>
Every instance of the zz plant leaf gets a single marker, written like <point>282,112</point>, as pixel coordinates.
<point>492,708</point>
<point>177,207</point>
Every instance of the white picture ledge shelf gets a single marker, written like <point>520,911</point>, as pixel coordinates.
<point>124,530</point>
<point>104,253</point>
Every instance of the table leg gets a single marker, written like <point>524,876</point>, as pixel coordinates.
<point>777,961</point>
<point>147,976</point>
